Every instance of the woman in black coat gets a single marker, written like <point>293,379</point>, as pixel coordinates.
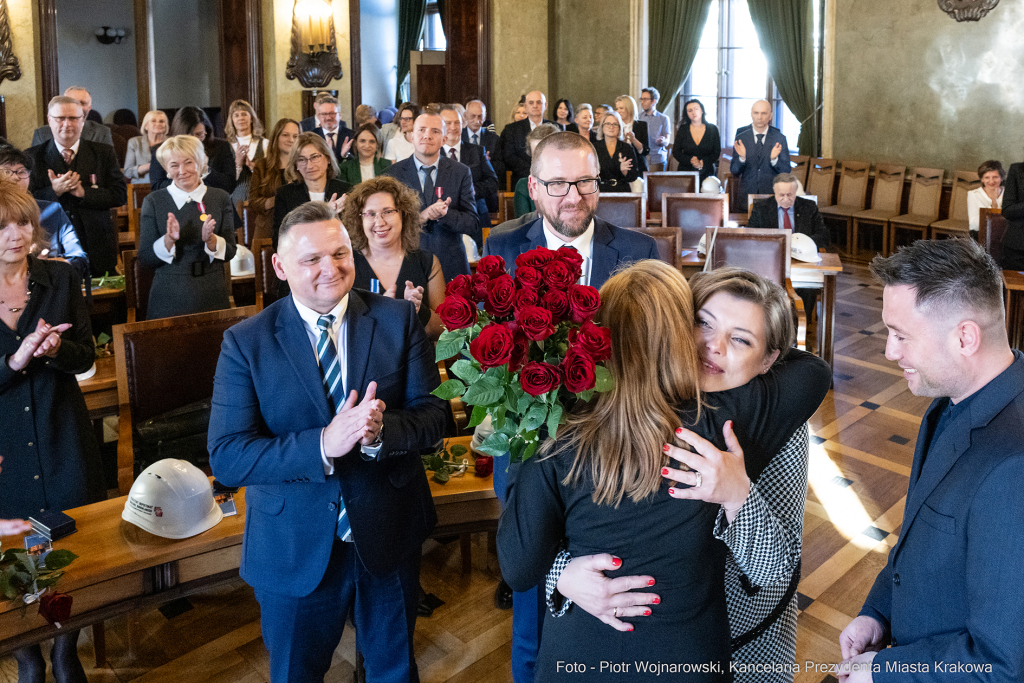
<point>312,175</point>
<point>634,130</point>
<point>615,156</point>
<point>220,157</point>
<point>698,145</point>
<point>1013,212</point>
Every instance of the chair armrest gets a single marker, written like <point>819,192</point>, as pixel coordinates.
<point>801,315</point>
<point>125,451</point>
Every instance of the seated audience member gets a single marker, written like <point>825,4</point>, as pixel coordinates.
<point>311,123</point>
<point>312,175</point>
<point>518,113</point>
<point>698,145</point>
<point>383,220</point>
<point>140,148</point>
<point>513,137</point>
<point>618,158</point>
<point>220,158</point>
<point>84,177</point>
<point>268,176</point>
<point>659,129</point>
<point>366,114</point>
<point>400,147</point>
<point>367,162</point>
<point>485,180</point>
<point>989,195</point>
<point>187,236</point>
<point>521,202</point>
<point>94,131</point>
<point>332,129</point>
<point>635,131</point>
<point>59,239</point>
<point>244,131</point>
<point>563,114</point>
<point>760,152</point>
<point>477,133</point>
<point>1013,212</point>
<point>583,123</point>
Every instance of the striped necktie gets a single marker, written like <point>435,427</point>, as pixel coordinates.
<point>330,368</point>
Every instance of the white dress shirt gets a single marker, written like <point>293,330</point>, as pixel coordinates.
<point>979,199</point>
<point>584,244</point>
<point>447,151</point>
<point>181,198</point>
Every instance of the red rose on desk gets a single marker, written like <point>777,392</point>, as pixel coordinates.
<point>557,302</point>
<point>483,466</point>
<point>456,312</point>
<point>535,322</point>
<point>461,285</point>
<point>538,378</point>
<point>579,371</point>
<point>584,301</point>
<point>535,258</point>
<point>55,607</point>
<point>493,346</point>
<point>491,266</point>
<point>530,277</point>
<point>592,340</point>
<point>501,296</point>
<point>559,275</point>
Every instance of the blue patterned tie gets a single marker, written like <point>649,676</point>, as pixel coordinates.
<point>330,368</point>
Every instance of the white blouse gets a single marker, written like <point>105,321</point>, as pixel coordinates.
<point>978,199</point>
<point>399,148</point>
<point>366,171</point>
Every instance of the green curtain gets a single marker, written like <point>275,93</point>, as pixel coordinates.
<point>674,35</point>
<point>410,26</point>
<point>785,29</point>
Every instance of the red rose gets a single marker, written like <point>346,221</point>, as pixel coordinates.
<point>527,297</point>
<point>501,296</point>
<point>538,378</point>
<point>55,607</point>
<point>461,285</point>
<point>528,276</point>
<point>535,322</point>
<point>571,258</point>
<point>592,340</point>
<point>584,301</point>
<point>492,266</point>
<point>535,258</point>
<point>557,302</point>
<point>493,346</point>
<point>558,275</point>
<point>483,465</point>
<point>480,282</point>
<point>579,371</point>
<point>457,312</point>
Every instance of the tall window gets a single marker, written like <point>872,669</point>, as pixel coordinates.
<point>730,73</point>
<point>433,37</point>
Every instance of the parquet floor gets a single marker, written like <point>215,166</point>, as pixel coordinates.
<point>862,444</point>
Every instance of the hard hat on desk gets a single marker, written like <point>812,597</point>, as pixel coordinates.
<point>172,499</point>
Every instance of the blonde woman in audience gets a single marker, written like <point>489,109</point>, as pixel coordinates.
<point>367,162</point>
<point>244,131</point>
<point>268,176</point>
<point>583,122</point>
<point>140,148</point>
<point>635,131</point>
<point>616,157</point>
<point>989,195</point>
<point>518,113</point>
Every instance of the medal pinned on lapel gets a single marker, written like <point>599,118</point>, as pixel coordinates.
<point>92,179</point>
<point>439,191</point>
<point>203,216</point>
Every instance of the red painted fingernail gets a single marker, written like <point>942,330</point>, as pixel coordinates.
<point>664,447</point>
<point>656,601</point>
<point>616,561</point>
<point>647,612</point>
<point>651,582</point>
<point>664,470</point>
<point>671,492</point>
<point>729,424</point>
<point>679,431</point>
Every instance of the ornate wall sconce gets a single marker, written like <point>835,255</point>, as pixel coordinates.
<point>967,10</point>
<point>9,67</point>
<point>107,35</point>
<point>314,52</point>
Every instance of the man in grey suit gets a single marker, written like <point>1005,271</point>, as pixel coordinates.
<point>761,152</point>
<point>91,131</point>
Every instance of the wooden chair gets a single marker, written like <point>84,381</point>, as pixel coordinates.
<point>162,365</point>
<point>670,182</point>
<point>800,164</point>
<point>136,193</point>
<point>751,198</point>
<point>991,229</point>
<point>762,251</point>
<point>922,207</point>
<point>624,209</point>
<point>248,226</point>
<point>821,177</point>
<point>506,206</point>
<point>886,197</point>
<point>508,182</point>
<point>958,224</point>
<point>669,241</point>
<point>853,193</point>
<point>266,280</point>
<point>138,280</point>
<point>691,213</point>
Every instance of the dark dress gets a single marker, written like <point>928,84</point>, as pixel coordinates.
<point>415,268</point>
<point>612,179</point>
<point>192,283</point>
<point>51,458</point>
<point>1013,212</point>
<point>293,195</point>
<point>709,150</point>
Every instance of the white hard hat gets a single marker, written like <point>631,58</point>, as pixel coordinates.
<point>803,248</point>
<point>172,499</point>
<point>702,246</point>
<point>244,263</point>
<point>711,185</point>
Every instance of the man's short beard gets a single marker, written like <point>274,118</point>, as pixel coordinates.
<point>569,230</point>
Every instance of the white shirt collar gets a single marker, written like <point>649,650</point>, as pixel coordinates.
<point>310,317</point>
<point>420,165</point>
<point>457,147</point>
<point>759,132</point>
<point>241,141</point>
<point>181,197</point>
<point>532,124</point>
<point>73,148</point>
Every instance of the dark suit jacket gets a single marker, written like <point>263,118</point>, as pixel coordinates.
<point>612,247</point>
<point>220,158</point>
<point>293,195</point>
<point>513,149</point>
<point>90,214</point>
<point>269,408</point>
<point>490,141</point>
<point>339,139</point>
<point>1013,210</point>
<point>951,588</point>
<point>485,180</point>
<point>92,131</point>
<point>808,220</point>
<point>348,170</point>
<point>757,172</point>
<point>444,237</point>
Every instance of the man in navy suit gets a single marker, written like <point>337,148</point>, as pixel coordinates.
<point>760,152</point>
<point>337,502</point>
<point>950,595</point>
<point>446,196</point>
<point>514,152</point>
<point>339,138</point>
<point>475,133</point>
<point>563,185</point>
<point>485,181</point>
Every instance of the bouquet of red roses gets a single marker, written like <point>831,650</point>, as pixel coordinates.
<point>532,346</point>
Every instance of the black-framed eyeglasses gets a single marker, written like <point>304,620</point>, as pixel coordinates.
<point>311,159</point>
<point>560,188</point>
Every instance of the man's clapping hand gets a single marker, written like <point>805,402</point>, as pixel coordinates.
<point>437,210</point>
<point>355,423</point>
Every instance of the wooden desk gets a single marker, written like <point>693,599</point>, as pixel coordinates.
<point>100,390</point>
<point>1014,282</point>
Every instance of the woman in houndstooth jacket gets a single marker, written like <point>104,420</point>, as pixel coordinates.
<point>762,498</point>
